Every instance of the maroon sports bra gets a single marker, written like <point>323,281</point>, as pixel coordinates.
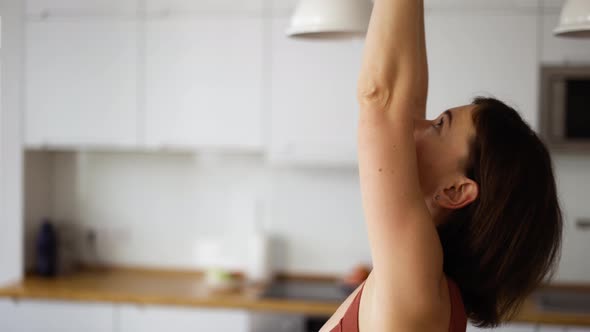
<point>349,322</point>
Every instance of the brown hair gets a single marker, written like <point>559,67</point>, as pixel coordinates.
<point>499,248</point>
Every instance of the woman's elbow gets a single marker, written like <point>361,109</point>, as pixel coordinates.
<point>374,96</point>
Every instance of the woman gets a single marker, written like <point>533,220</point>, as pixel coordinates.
<point>462,213</point>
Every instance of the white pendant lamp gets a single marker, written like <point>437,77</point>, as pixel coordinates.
<point>313,18</point>
<point>575,19</point>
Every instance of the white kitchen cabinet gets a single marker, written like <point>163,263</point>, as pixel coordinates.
<point>559,50</point>
<point>157,319</point>
<point>11,154</point>
<point>472,53</point>
<point>481,4</point>
<point>552,4</point>
<point>551,328</point>
<point>203,83</point>
<point>210,7</point>
<point>81,83</point>
<point>39,8</point>
<point>512,327</point>
<point>55,316</point>
<point>7,314</point>
<point>314,110</point>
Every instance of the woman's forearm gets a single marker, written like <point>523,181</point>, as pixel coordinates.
<point>394,72</point>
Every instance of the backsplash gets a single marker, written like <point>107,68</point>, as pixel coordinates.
<point>152,209</point>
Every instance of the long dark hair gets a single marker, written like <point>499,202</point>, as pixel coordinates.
<point>500,248</point>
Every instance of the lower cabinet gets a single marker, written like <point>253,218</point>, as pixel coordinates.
<point>277,322</point>
<point>175,319</point>
<point>518,327</point>
<point>505,328</point>
<point>551,328</point>
<point>58,316</point>
<point>55,316</point>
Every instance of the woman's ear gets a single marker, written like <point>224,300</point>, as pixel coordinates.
<point>457,195</point>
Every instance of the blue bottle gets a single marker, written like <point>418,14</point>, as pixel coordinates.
<point>47,250</point>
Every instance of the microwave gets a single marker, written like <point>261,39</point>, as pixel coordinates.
<point>565,107</point>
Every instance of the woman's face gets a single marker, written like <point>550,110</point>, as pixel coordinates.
<point>442,146</point>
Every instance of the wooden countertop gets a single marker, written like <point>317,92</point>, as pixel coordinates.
<point>154,287</point>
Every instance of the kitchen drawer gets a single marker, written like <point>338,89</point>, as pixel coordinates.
<point>275,322</point>
<point>55,316</point>
<point>174,319</point>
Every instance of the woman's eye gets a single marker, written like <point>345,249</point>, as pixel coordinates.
<point>440,123</point>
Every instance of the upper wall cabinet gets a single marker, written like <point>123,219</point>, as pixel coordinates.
<point>81,7</point>
<point>473,54</point>
<point>285,7</point>
<point>314,109</point>
<point>552,3</point>
<point>81,83</point>
<point>203,83</point>
<point>462,4</point>
<point>208,6</point>
<point>559,49</point>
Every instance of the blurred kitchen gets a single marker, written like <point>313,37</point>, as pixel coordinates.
<point>190,165</point>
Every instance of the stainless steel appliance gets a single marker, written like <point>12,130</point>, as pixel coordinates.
<point>565,107</point>
<point>309,291</point>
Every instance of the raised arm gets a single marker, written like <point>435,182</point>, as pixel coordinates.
<point>395,57</point>
<point>405,248</point>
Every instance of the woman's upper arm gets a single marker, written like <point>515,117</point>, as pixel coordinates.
<point>405,247</point>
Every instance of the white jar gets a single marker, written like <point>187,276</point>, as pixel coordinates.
<point>258,262</point>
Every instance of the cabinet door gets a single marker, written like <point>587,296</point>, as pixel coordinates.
<point>204,83</point>
<point>46,316</point>
<point>81,7</point>
<point>472,53</point>
<point>559,50</point>
<point>551,328</point>
<point>192,6</point>
<point>11,150</point>
<point>7,315</point>
<point>276,322</point>
<point>514,327</point>
<point>481,4</point>
<point>314,109</point>
<point>81,83</point>
<point>153,319</point>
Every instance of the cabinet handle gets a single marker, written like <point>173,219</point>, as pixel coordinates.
<point>45,13</point>
<point>583,224</point>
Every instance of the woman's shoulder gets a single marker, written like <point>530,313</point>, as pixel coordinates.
<point>438,317</point>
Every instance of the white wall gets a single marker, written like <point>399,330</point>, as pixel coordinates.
<point>151,209</point>
<point>10,141</point>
